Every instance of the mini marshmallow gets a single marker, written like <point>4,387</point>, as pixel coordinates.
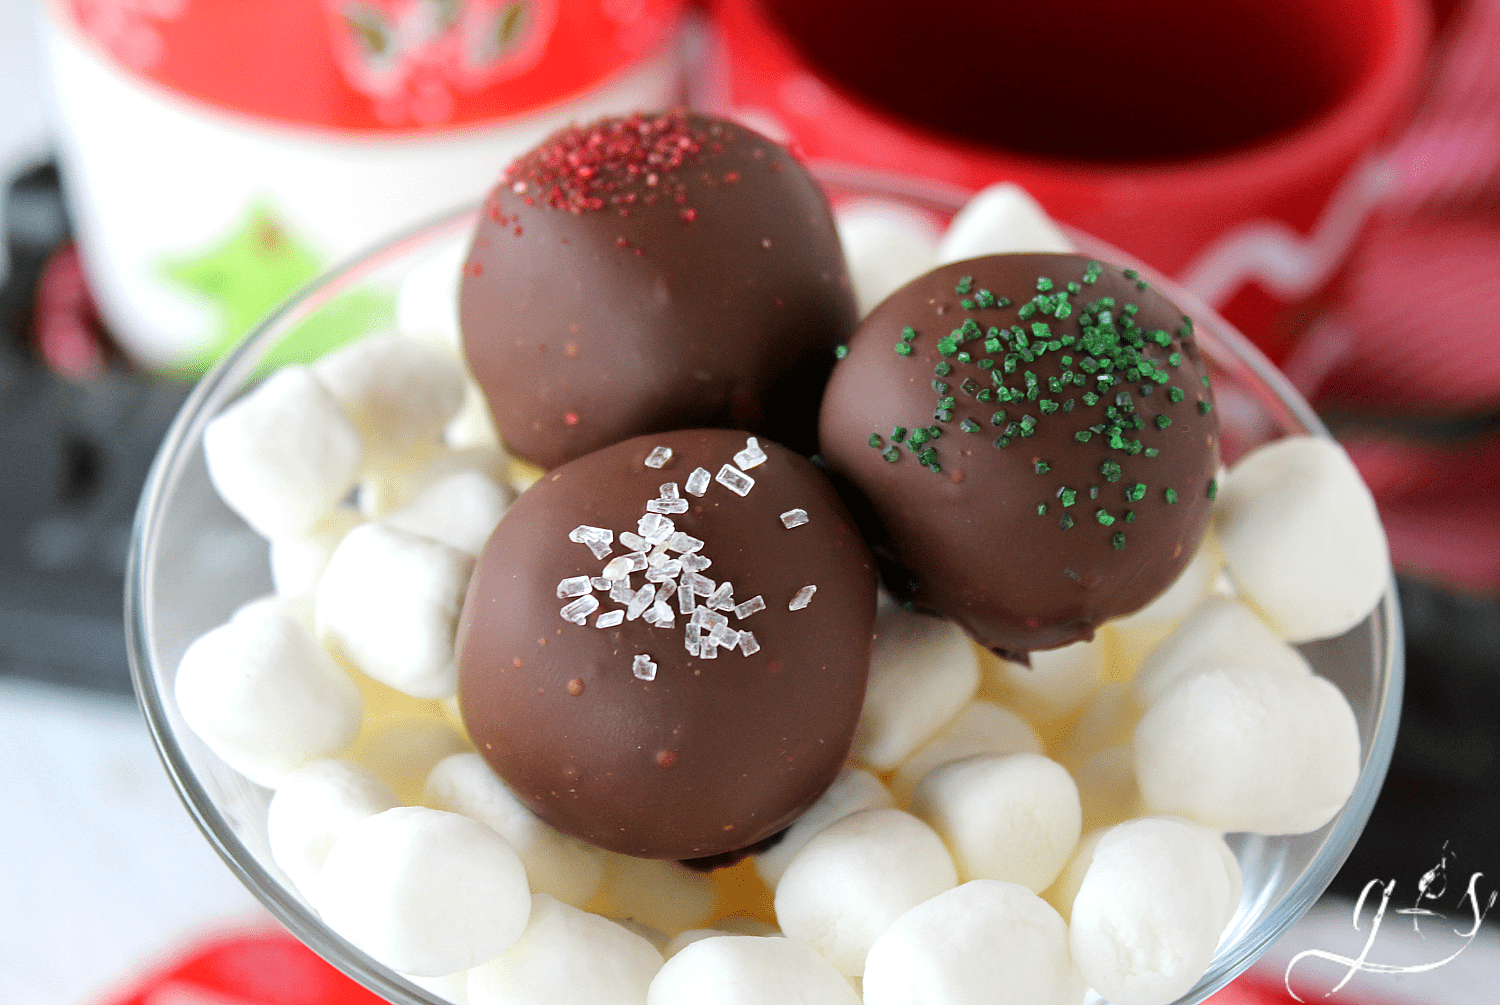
<point>399,392</point>
<point>1001,219</point>
<point>922,672</point>
<point>427,303</point>
<point>460,510</point>
<point>1247,748</point>
<point>451,988</point>
<point>299,608</point>
<point>846,885</point>
<point>745,970</point>
<point>473,427</point>
<point>981,728</point>
<point>886,245</point>
<point>1107,789</point>
<point>1108,720</point>
<point>1149,912</point>
<point>387,491</point>
<point>1220,631</point>
<point>297,563</point>
<point>853,790</point>
<point>1302,539</point>
<point>556,864</point>
<point>1013,817</point>
<point>389,601</point>
<point>1056,684</point>
<point>655,892</point>
<point>1136,635</point>
<point>566,956</point>
<point>265,697</point>
<point>734,924</point>
<point>402,750</point>
<point>985,941</point>
<point>424,892</point>
<point>313,808</point>
<point>1061,893</point>
<point>283,455</point>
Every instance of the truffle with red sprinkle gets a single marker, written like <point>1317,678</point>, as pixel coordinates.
<point>653,272</point>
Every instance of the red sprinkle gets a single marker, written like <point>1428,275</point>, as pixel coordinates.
<point>570,418</point>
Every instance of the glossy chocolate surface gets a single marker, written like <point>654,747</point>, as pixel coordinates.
<point>650,273</point>
<point>1032,515</point>
<point>709,755</point>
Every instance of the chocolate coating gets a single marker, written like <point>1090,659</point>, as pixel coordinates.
<point>712,754</point>
<point>652,273</point>
<point>1043,523</point>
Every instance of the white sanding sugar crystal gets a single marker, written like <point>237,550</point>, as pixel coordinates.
<point>691,639</point>
<point>609,619</point>
<point>725,637</point>
<point>751,455</point>
<point>597,538</point>
<point>658,457</point>
<point>749,607</point>
<point>664,618</point>
<point>722,599</point>
<point>748,645</point>
<point>695,563</point>
<point>701,585</point>
<point>619,567</point>
<point>574,586</point>
<point>600,583</point>
<point>665,590</point>
<point>793,518</point>
<point>579,610</point>
<point>802,599</point>
<point>667,505</point>
<point>735,480</point>
<point>655,528</point>
<point>633,541</point>
<point>683,544</point>
<point>685,601</point>
<point>707,650</point>
<point>643,668</point>
<point>697,482</point>
<point>620,591</point>
<point>642,600</point>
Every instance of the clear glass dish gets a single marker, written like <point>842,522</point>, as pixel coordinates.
<point>193,562</point>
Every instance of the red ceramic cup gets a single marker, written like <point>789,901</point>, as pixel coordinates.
<point>1232,145</point>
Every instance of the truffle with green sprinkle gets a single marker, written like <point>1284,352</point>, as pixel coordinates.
<point>1086,384</point>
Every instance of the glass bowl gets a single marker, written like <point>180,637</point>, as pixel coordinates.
<point>193,562</point>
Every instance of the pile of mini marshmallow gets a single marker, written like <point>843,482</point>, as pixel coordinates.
<point>958,858</point>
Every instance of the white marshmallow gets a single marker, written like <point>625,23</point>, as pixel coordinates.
<point>313,808</point>
<point>735,924</point>
<point>853,790</point>
<point>981,728</point>
<point>566,956</point>
<point>983,943</point>
<point>283,455</point>
<point>427,303</point>
<point>424,892</point>
<point>1001,219</point>
<point>460,510</point>
<point>389,601</point>
<point>451,988</point>
<point>1014,817</point>
<point>1149,912</point>
<point>654,892</point>
<point>399,392</point>
<point>297,563</point>
<point>922,672</point>
<point>556,864</point>
<point>265,697</point>
<point>1107,789</point>
<point>473,427</point>
<point>860,874</point>
<point>1108,720</point>
<point>1061,893</point>
<point>1137,634</point>
<point>1302,539</point>
<point>1219,632</point>
<point>1056,684</point>
<point>387,491</point>
<point>299,607</point>
<point>745,970</point>
<point>1246,748</point>
<point>401,750</point>
<point>886,245</point>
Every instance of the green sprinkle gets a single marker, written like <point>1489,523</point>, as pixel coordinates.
<point>998,419</point>
<point>917,438</point>
<point>948,345</point>
<point>840,351</point>
<point>1093,492</point>
<point>1213,488</point>
<point>1065,522</point>
<point>1068,405</point>
<point>1041,509</point>
<point>1001,442</point>
<point>1090,398</point>
<point>964,357</point>
<point>1118,540</point>
<point>1067,496</point>
<point>966,304</point>
<point>1103,517</point>
<point>1204,407</point>
<point>898,433</point>
<point>908,333</point>
<point>1042,467</point>
<point>969,426</point>
<point>1129,273</point>
<point>903,349</point>
<point>1043,283</point>
<point>985,394</point>
<point>928,456</point>
<point>1130,516</point>
<point>1064,309</point>
<point>1171,495</point>
<point>1151,451</point>
<point>943,369</point>
<point>946,401</point>
<point>1137,492</point>
<point>1110,470</point>
<point>985,364</point>
<point>965,284</point>
<point>1047,405</point>
<point>891,455</point>
<point>1162,422</point>
<point>1027,310</point>
<point>876,441</point>
<point>1083,436</point>
<point>1074,288</point>
<point>1092,275</point>
<point>1040,330</point>
<point>940,387</point>
<point>934,431</point>
<point>1175,359</point>
<point>984,298</point>
<point>992,344</point>
<point>1175,394</point>
<point>1204,378</point>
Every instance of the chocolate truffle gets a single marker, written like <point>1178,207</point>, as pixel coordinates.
<point>665,643</point>
<point>1035,438</point>
<point>650,273</point>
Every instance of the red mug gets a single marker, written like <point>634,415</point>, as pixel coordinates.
<point>1243,170</point>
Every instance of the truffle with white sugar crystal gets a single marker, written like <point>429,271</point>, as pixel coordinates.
<point>670,674</point>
